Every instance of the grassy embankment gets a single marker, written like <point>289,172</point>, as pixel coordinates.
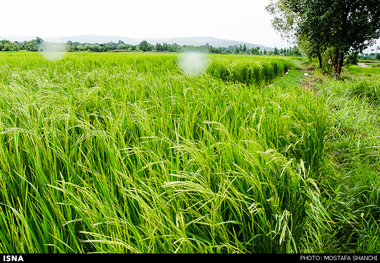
<point>353,199</point>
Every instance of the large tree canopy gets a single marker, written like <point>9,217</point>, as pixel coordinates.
<point>334,26</point>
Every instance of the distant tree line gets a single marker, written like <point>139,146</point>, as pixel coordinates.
<point>370,56</point>
<point>32,45</point>
<point>144,46</point>
<point>243,49</point>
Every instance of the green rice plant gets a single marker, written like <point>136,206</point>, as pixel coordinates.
<point>124,153</point>
<point>248,71</point>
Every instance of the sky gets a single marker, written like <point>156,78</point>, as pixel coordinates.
<point>241,20</point>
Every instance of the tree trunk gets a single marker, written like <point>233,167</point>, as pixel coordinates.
<point>336,70</point>
<point>341,61</point>
<point>336,63</point>
<point>320,60</point>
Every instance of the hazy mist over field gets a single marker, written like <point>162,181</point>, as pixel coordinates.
<point>242,20</point>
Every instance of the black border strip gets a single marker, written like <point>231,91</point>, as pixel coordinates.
<point>108,258</point>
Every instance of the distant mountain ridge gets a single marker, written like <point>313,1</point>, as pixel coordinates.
<point>195,41</point>
<point>199,41</point>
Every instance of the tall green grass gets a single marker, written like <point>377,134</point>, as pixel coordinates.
<point>358,70</point>
<point>353,146</point>
<point>123,153</point>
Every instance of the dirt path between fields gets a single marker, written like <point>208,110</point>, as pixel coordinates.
<point>309,80</point>
<point>364,65</point>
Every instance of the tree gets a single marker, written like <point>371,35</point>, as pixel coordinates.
<point>289,20</point>
<point>255,51</point>
<point>342,26</point>
<point>122,47</point>
<point>227,51</point>
<point>39,41</point>
<point>7,47</point>
<point>96,48</point>
<point>159,47</point>
<point>214,50</point>
<point>31,46</point>
<point>352,58</point>
<point>145,46</point>
<point>357,25</point>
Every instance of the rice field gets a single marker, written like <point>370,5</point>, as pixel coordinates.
<point>126,153</point>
